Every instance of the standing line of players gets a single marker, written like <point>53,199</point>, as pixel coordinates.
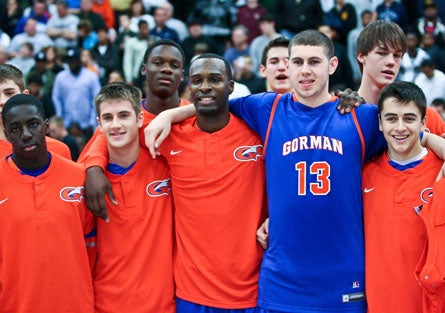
<point>215,168</point>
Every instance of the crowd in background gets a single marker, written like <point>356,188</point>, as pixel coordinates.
<point>67,49</point>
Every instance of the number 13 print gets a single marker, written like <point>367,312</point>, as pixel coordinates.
<point>322,170</point>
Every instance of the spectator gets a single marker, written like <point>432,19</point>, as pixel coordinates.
<point>106,55</point>
<point>124,33</point>
<point>38,40</point>
<point>38,13</point>
<point>10,14</point>
<point>299,16</point>
<point>86,36</point>
<point>77,133</point>
<point>411,60</point>
<point>240,45</point>
<point>249,15</point>
<point>137,12</point>
<point>103,8</point>
<point>53,60</point>
<point>73,94</point>
<point>63,28</point>
<point>87,61</point>
<point>245,75</point>
<point>86,13</point>
<point>5,40</point>
<point>217,20</point>
<point>174,23</point>
<point>3,55</point>
<point>343,18</point>
<point>366,17</point>
<point>134,54</point>
<point>197,38</point>
<point>160,28</point>
<point>35,88</point>
<point>24,60</point>
<point>438,104</point>
<point>435,52</point>
<point>394,11</point>
<point>431,81</point>
<point>47,75</point>
<point>58,131</point>
<point>431,23</point>
<point>115,77</point>
<point>268,33</point>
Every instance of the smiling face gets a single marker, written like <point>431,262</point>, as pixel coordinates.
<point>209,86</point>
<point>401,124</point>
<point>163,71</point>
<point>26,129</point>
<point>119,123</point>
<point>309,70</point>
<point>381,65</point>
<point>276,70</point>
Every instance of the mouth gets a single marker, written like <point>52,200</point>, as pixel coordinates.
<point>400,138</point>
<point>282,77</point>
<point>388,73</point>
<point>29,147</point>
<point>117,134</point>
<point>307,82</point>
<point>165,80</point>
<point>206,100</point>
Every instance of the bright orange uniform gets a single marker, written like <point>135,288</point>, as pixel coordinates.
<point>134,270</point>
<point>219,194</point>
<point>43,260</point>
<point>394,234</point>
<point>434,122</point>
<point>53,145</point>
<point>430,271</point>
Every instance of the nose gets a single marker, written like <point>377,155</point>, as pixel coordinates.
<point>205,86</point>
<point>115,123</point>
<point>390,59</point>
<point>400,125</point>
<point>282,65</point>
<point>166,68</point>
<point>26,134</point>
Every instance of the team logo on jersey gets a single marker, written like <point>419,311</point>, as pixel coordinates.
<point>426,194</point>
<point>248,153</point>
<point>71,194</point>
<point>159,188</point>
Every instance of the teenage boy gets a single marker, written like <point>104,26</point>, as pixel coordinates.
<point>393,185</point>
<point>134,270</point>
<point>44,262</point>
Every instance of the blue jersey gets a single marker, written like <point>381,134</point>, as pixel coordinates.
<point>314,156</point>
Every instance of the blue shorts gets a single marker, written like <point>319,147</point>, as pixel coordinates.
<point>183,306</point>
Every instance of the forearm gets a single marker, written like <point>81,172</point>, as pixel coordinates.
<point>180,113</point>
<point>434,143</point>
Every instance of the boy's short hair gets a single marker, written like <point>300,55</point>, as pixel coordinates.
<point>22,99</point>
<point>380,33</point>
<point>438,102</point>
<point>164,42</point>
<point>119,91</point>
<point>315,38</point>
<point>227,66</point>
<point>403,92</point>
<point>10,72</point>
<point>275,43</point>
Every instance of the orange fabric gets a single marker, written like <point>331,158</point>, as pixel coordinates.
<point>430,271</point>
<point>53,145</point>
<point>434,122</point>
<point>394,234</point>
<point>134,269</point>
<point>44,263</point>
<point>219,196</point>
<point>104,8</point>
<point>95,152</point>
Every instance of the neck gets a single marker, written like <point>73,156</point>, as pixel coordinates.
<point>155,105</point>
<point>315,100</point>
<point>39,162</point>
<point>211,124</point>
<point>369,90</point>
<point>124,156</point>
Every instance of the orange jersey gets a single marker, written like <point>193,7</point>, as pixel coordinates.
<point>53,145</point>
<point>95,153</point>
<point>44,262</point>
<point>394,234</point>
<point>430,271</point>
<point>434,122</point>
<point>218,185</point>
<point>134,269</point>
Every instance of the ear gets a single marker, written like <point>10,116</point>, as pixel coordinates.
<point>140,119</point>
<point>143,69</point>
<point>231,86</point>
<point>333,63</point>
<point>380,123</point>
<point>423,122</point>
<point>46,125</point>
<point>98,121</point>
<point>361,58</point>
<point>263,71</point>
<point>26,92</point>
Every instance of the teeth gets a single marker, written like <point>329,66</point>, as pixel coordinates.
<point>206,98</point>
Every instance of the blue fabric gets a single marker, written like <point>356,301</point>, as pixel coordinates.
<point>183,306</point>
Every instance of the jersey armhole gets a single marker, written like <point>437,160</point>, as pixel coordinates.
<point>269,125</point>
<point>360,134</point>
